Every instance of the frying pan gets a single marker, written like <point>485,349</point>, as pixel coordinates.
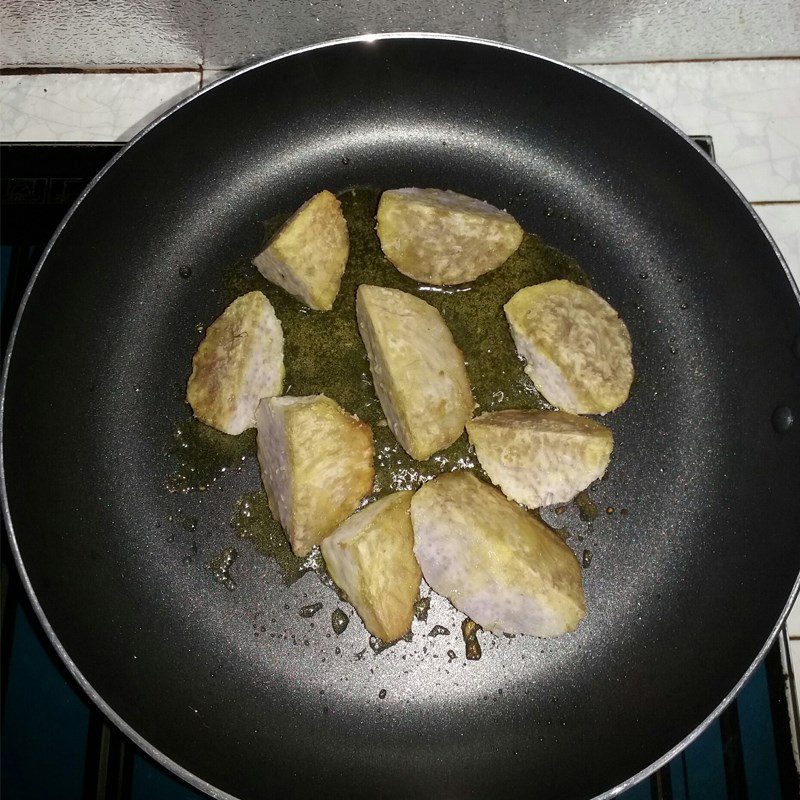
<point>684,594</point>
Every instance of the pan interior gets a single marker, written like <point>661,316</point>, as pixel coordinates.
<point>683,589</point>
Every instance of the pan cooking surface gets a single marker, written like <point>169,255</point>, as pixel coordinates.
<point>234,685</point>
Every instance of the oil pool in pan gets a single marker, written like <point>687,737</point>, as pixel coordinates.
<point>324,354</point>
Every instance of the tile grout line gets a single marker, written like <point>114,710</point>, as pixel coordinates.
<point>199,67</point>
<point>710,60</point>
<point>110,70</point>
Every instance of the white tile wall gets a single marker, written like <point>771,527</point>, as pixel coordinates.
<point>750,108</point>
<point>88,107</point>
<point>782,220</point>
<point>794,648</point>
<point>793,629</point>
<point>213,75</point>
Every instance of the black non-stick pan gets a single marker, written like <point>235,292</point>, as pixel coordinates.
<point>233,689</point>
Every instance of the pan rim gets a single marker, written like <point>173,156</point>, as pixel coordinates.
<point>164,760</point>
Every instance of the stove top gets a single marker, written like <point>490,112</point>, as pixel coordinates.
<point>57,745</point>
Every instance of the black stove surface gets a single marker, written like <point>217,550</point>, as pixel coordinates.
<point>56,744</point>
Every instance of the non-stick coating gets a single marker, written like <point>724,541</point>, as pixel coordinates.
<point>682,593</point>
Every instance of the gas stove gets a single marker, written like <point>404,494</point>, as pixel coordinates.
<point>57,745</point>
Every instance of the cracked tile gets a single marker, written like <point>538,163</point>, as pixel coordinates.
<point>87,107</point>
